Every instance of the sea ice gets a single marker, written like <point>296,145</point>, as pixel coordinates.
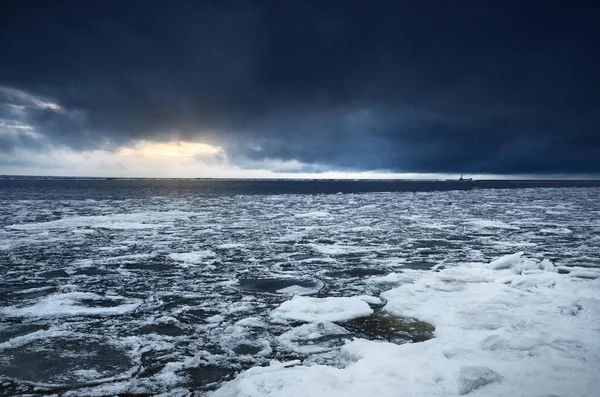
<point>301,308</point>
<point>500,332</point>
<point>73,304</point>
<point>484,223</point>
<point>532,321</point>
<point>314,214</point>
<point>506,261</point>
<point>140,220</point>
<point>194,257</point>
<point>304,339</point>
<point>340,249</point>
<point>471,378</point>
<point>371,300</point>
<point>297,290</point>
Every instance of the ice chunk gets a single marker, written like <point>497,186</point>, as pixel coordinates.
<point>392,278</point>
<point>297,290</point>
<point>534,326</point>
<point>140,220</point>
<point>521,265</point>
<point>314,214</point>
<point>506,261</point>
<point>217,318</point>
<point>585,273</point>
<point>74,304</point>
<point>485,224</point>
<point>193,257</point>
<point>547,266</point>
<point>290,286</point>
<point>558,230</point>
<point>230,246</point>
<point>471,378</point>
<point>307,309</point>
<point>341,249</point>
<point>311,338</point>
<point>371,300</point>
<point>252,322</point>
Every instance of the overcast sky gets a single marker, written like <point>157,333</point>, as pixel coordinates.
<point>292,88</point>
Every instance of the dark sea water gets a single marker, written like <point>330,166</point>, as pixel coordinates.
<point>23,188</point>
<point>154,286</point>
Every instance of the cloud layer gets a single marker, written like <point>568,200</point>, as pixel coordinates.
<point>480,87</point>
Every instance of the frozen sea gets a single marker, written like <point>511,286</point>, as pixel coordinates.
<point>289,288</point>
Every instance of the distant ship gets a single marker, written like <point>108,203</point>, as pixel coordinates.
<point>461,179</point>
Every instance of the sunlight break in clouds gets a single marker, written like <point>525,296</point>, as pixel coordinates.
<point>178,150</point>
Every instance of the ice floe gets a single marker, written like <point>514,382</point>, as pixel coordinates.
<point>307,309</point>
<point>313,214</point>
<point>503,332</point>
<point>490,224</point>
<point>200,319</point>
<point>74,304</point>
<point>140,220</point>
<point>313,337</point>
<point>194,257</point>
<point>371,300</point>
<point>287,286</point>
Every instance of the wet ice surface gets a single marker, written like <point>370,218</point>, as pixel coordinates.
<point>175,294</point>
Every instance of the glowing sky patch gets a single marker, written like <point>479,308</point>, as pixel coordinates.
<point>175,150</point>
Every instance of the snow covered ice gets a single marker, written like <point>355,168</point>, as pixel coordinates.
<point>514,333</point>
<point>321,309</point>
<point>256,295</point>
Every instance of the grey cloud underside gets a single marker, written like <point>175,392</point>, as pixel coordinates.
<point>500,87</point>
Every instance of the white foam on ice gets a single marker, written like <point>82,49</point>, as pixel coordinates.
<point>35,335</point>
<point>231,246</point>
<point>490,224</point>
<point>341,249</point>
<point>138,220</point>
<point>194,257</point>
<point>33,290</point>
<point>313,214</point>
<point>505,328</point>
<point>392,278</point>
<point>72,304</point>
<point>304,339</point>
<point>216,319</point>
<point>558,230</point>
<point>301,308</point>
<point>87,374</point>
<point>300,290</point>
<point>251,322</point>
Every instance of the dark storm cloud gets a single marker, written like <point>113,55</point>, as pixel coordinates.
<point>499,87</point>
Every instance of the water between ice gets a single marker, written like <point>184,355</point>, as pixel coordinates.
<point>302,295</point>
